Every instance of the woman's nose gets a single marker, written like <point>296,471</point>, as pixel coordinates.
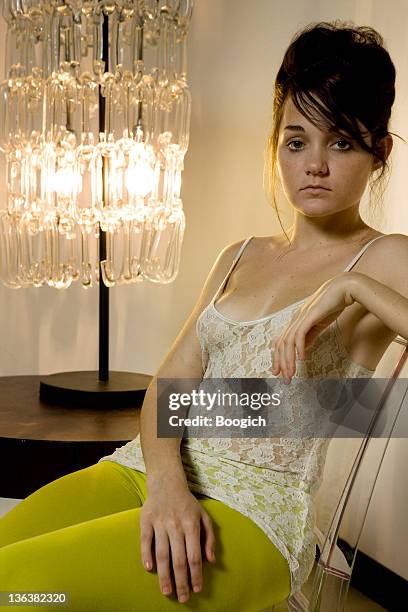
<point>316,162</point>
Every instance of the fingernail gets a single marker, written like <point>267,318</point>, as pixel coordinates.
<point>197,589</point>
<point>166,590</point>
<point>148,565</point>
<point>183,598</point>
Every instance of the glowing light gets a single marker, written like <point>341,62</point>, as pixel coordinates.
<point>139,179</point>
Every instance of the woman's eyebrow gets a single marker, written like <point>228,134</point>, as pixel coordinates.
<point>295,128</point>
<point>331,131</point>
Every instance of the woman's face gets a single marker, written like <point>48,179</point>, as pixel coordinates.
<point>307,155</point>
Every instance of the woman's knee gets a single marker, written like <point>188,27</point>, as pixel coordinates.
<point>98,490</point>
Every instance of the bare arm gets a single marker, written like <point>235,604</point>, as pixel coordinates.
<point>382,291</point>
<point>172,517</point>
<point>390,306</point>
<point>162,455</point>
<point>383,288</point>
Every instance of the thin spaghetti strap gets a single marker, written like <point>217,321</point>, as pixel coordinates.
<point>360,253</point>
<point>234,263</point>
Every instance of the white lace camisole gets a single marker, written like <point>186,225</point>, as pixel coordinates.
<point>272,481</point>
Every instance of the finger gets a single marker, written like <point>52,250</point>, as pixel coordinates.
<point>307,334</point>
<point>209,542</point>
<point>296,336</point>
<point>282,357</point>
<point>179,563</point>
<point>193,547</point>
<point>300,344</point>
<point>292,335</point>
<point>280,354</point>
<point>275,360</point>
<point>277,365</point>
<point>163,560</point>
<point>290,354</point>
<point>146,537</point>
<point>312,334</point>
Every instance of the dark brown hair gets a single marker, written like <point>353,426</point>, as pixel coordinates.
<point>349,69</point>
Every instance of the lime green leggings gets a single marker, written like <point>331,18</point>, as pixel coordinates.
<point>80,534</point>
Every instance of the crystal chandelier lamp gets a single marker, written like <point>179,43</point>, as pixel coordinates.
<point>95,113</point>
<point>94,127</point>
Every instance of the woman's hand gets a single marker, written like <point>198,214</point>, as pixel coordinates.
<point>321,309</point>
<point>173,516</point>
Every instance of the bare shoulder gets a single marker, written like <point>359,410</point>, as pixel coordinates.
<point>230,250</point>
<point>386,260</point>
<point>219,270</point>
<point>389,243</point>
<point>254,251</point>
<point>261,244</point>
<point>226,256</point>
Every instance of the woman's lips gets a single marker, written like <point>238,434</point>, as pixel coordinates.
<point>316,189</point>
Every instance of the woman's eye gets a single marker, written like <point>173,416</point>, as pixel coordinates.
<point>293,142</point>
<point>346,142</point>
<point>342,148</point>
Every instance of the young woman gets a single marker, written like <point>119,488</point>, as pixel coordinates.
<point>140,529</point>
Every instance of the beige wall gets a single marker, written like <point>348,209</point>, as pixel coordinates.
<point>235,49</point>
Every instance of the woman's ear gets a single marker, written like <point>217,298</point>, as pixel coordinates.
<point>386,145</point>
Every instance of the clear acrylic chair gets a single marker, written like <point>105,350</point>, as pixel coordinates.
<point>350,473</point>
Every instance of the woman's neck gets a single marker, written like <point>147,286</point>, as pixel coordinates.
<point>331,230</point>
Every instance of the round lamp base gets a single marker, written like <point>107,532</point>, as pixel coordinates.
<point>83,389</point>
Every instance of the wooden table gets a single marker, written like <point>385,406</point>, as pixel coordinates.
<point>40,442</point>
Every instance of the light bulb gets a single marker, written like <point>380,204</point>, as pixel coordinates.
<point>65,182</point>
<point>139,179</point>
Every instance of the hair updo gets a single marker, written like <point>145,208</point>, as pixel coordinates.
<point>336,74</point>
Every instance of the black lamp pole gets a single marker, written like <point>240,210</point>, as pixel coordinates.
<point>103,289</point>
